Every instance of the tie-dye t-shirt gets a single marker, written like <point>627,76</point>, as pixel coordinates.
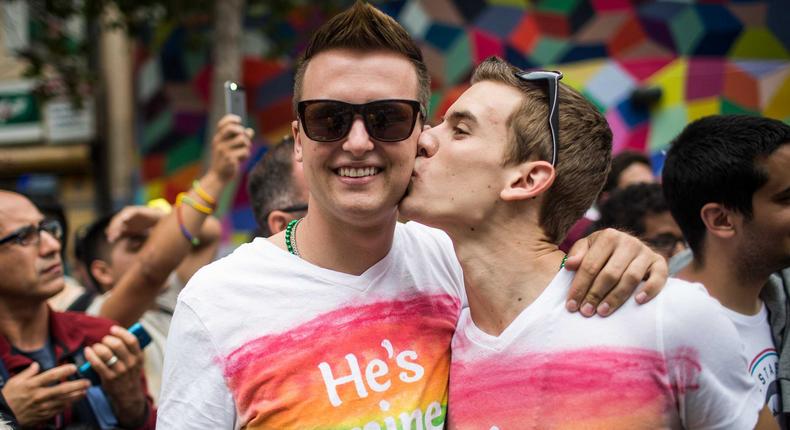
<point>262,339</point>
<point>676,362</point>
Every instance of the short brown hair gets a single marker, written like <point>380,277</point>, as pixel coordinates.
<point>584,144</point>
<point>362,27</point>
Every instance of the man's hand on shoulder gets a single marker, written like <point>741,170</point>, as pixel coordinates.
<point>609,266</point>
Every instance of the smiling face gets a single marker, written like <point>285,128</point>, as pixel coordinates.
<point>357,179</point>
<point>33,271</point>
<point>458,175</point>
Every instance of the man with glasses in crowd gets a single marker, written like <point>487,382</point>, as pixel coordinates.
<point>344,320</point>
<point>519,358</point>
<point>40,348</point>
<point>642,210</point>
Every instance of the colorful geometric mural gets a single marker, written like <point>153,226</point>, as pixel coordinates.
<point>706,57</point>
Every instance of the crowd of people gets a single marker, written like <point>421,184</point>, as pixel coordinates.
<point>496,270</point>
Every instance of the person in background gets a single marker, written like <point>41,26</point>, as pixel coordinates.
<point>139,259</point>
<point>628,168</point>
<point>727,181</point>
<point>277,189</point>
<point>642,210</point>
<point>40,349</point>
<point>73,288</point>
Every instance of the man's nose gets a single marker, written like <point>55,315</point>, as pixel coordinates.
<point>428,143</point>
<point>358,141</point>
<point>48,244</point>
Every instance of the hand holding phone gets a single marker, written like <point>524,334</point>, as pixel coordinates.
<point>143,338</point>
<point>235,100</point>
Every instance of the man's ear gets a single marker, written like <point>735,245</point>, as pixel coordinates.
<point>718,220</point>
<point>297,141</point>
<point>527,180</point>
<point>278,220</point>
<point>102,273</point>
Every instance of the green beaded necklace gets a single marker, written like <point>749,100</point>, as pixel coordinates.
<point>290,237</point>
<point>562,265</point>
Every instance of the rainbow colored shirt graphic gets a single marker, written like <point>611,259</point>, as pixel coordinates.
<point>264,340</point>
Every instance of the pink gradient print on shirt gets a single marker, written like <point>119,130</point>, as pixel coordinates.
<point>593,388</point>
<point>374,363</point>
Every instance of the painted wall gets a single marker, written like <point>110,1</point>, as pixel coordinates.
<point>707,57</point>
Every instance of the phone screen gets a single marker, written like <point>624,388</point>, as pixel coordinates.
<point>235,102</point>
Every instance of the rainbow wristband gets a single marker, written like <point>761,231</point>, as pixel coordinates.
<point>192,239</point>
<point>203,194</point>
<point>183,198</point>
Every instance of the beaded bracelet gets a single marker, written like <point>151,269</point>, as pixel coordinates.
<point>183,198</point>
<point>192,239</point>
<point>203,194</point>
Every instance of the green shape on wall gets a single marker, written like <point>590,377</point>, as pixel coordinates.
<point>521,4</point>
<point>758,43</point>
<point>186,152</point>
<point>593,100</point>
<point>549,50</point>
<point>686,29</point>
<point>155,130</point>
<point>434,102</point>
<point>730,108</point>
<point>563,7</point>
<point>458,60</point>
<point>665,125</point>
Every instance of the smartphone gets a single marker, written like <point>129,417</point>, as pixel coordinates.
<point>143,338</point>
<point>235,100</point>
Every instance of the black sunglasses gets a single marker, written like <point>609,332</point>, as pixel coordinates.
<point>385,120</point>
<point>31,234</point>
<point>553,80</point>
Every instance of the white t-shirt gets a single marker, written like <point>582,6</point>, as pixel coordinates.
<point>157,323</point>
<point>761,355</point>
<point>673,363</point>
<point>263,339</point>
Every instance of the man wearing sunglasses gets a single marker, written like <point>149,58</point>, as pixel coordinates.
<point>40,347</point>
<point>345,319</point>
<point>518,357</point>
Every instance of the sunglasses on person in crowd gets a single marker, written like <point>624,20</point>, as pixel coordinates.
<point>553,80</point>
<point>31,234</point>
<point>385,120</point>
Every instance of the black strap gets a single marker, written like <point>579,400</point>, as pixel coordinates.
<point>83,302</point>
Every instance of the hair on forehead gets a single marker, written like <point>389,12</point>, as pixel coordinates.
<point>363,28</point>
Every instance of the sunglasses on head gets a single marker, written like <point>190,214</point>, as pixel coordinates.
<point>553,80</point>
<point>385,120</point>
